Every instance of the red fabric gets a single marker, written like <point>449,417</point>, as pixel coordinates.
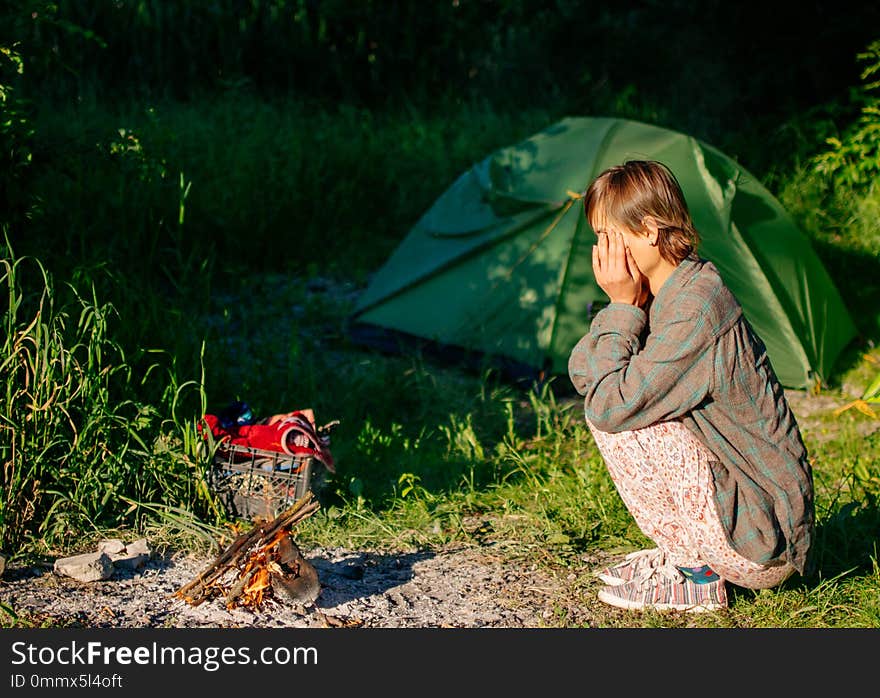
<point>279,436</point>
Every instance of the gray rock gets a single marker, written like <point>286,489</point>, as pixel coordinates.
<point>132,556</point>
<point>2,564</point>
<point>111,546</point>
<point>138,547</point>
<point>88,567</point>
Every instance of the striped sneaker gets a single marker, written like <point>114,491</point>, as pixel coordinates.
<point>635,565</point>
<point>667,592</point>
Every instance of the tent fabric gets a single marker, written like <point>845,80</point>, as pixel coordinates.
<point>501,262</point>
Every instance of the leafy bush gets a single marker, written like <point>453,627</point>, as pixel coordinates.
<point>852,161</point>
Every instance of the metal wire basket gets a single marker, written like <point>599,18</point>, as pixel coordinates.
<point>253,483</point>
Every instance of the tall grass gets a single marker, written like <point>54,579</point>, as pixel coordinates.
<point>79,450</point>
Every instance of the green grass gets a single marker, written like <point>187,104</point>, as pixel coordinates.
<point>79,449</point>
<point>189,261</point>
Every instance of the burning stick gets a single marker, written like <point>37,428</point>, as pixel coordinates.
<point>265,559</point>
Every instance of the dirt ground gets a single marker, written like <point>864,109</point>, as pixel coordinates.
<point>458,587</point>
<point>490,585</point>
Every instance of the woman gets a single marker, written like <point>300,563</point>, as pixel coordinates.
<point>685,408</point>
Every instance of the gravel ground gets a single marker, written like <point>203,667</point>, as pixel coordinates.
<point>463,587</point>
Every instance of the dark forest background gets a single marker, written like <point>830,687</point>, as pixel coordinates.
<point>767,83</point>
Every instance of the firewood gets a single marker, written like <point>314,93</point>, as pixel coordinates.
<point>234,558</point>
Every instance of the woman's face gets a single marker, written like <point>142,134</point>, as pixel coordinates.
<point>646,255</point>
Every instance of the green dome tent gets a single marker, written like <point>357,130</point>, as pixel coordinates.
<point>500,264</point>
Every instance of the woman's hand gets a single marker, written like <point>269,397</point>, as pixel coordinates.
<point>616,271</point>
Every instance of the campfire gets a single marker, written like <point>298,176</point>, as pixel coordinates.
<point>262,564</point>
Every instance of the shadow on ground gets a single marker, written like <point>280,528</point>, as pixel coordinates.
<point>363,574</point>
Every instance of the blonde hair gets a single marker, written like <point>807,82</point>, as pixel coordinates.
<point>626,194</point>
